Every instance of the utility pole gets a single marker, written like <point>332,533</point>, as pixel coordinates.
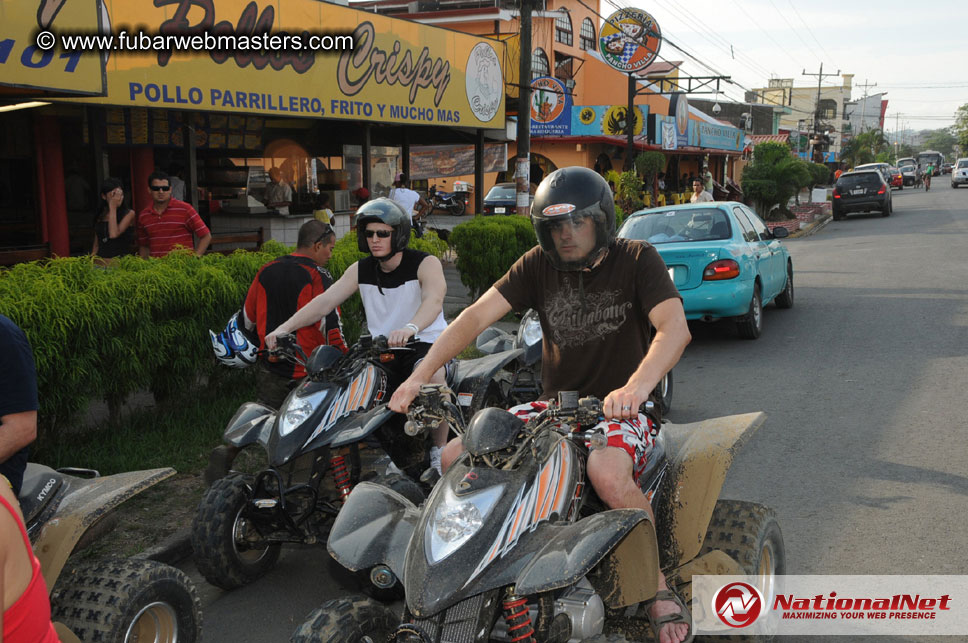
<point>816,111</point>
<point>522,170</point>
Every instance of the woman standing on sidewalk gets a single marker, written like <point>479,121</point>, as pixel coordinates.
<point>112,223</point>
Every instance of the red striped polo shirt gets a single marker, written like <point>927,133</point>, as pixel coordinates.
<point>173,227</point>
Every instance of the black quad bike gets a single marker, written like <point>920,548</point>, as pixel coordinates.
<point>243,520</point>
<point>114,600</point>
<point>513,545</point>
<point>522,376</point>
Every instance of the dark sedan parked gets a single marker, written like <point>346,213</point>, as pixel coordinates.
<point>864,191</point>
<point>502,199</point>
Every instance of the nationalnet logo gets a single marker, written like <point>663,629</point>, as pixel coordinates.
<point>831,605</point>
<point>738,604</point>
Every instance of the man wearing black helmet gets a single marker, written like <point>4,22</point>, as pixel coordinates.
<point>597,298</point>
<point>403,296</point>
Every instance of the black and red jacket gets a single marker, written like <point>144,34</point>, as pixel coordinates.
<point>280,288</point>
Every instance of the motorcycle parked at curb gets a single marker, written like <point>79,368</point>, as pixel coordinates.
<point>513,545</point>
<point>523,379</point>
<point>451,202</point>
<point>243,520</point>
<point>114,600</point>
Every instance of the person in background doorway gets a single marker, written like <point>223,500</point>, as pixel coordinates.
<point>177,182</point>
<point>278,192</point>
<point>167,222</point>
<point>113,231</point>
<point>408,199</point>
<point>699,195</point>
<point>707,179</point>
<point>323,213</point>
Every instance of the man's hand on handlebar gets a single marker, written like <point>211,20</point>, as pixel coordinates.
<point>405,394</point>
<point>399,337</point>
<point>272,339</point>
<point>624,403</point>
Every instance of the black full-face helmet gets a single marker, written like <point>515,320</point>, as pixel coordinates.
<point>383,210</point>
<point>573,193</point>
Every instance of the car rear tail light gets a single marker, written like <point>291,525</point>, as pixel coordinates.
<point>722,269</point>
<point>882,190</point>
<point>836,194</point>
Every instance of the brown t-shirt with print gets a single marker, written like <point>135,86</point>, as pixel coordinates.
<point>595,322</point>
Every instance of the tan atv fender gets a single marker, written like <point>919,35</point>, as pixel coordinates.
<point>86,502</point>
<point>699,454</point>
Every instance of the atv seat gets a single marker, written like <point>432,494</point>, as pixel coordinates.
<point>39,487</point>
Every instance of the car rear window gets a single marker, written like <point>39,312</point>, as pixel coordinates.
<point>677,226</point>
<point>501,192</point>
<point>863,179</point>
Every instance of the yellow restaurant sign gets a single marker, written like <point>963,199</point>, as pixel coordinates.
<point>25,63</point>
<point>298,58</point>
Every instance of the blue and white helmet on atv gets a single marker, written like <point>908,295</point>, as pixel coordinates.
<point>236,346</point>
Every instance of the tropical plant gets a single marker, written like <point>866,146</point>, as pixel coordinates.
<point>960,128</point>
<point>865,147</point>
<point>649,164</point>
<point>629,189</point>
<point>773,178</point>
<point>488,246</point>
<point>819,173</point>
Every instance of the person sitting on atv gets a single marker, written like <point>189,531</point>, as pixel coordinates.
<point>596,297</point>
<point>403,296</point>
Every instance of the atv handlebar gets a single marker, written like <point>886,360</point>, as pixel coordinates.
<point>434,404</point>
<point>367,347</point>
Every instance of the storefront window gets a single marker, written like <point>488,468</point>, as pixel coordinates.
<point>385,164</point>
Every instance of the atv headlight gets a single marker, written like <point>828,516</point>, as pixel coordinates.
<point>298,411</point>
<point>530,330</point>
<point>457,519</point>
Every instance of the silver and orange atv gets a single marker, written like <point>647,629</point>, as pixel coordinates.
<point>513,545</point>
<point>116,600</point>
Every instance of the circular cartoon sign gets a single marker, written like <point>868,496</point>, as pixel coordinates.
<point>629,39</point>
<point>484,82</point>
<point>548,98</point>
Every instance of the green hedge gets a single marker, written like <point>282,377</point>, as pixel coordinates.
<point>104,333</point>
<point>487,246</point>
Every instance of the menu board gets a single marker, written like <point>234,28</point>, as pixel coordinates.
<point>165,128</point>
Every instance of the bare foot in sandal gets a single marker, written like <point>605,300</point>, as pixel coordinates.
<point>669,632</point>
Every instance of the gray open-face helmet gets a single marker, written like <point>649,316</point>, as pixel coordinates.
<point>573,193</point>
<point>383,210</point>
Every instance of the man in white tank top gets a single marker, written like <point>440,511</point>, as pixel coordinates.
<point>402,290</point>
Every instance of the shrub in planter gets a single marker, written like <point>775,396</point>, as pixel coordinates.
<point>488,246</point>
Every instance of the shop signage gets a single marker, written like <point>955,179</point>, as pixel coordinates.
<point>720,137</point>
<point>437,161</point>
<point>679,109</point>
<point>25,59</point>
<point>550,107</point>
<point>629,40</point>
<point>663,129</point>
<point>328,61</point>
<point>607,120</point>
<point>669,135</point>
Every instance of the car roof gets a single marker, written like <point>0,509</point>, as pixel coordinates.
<point>857,171</point>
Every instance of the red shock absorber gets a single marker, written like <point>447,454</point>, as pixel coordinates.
<point>341,475</point>
<point>518,619</point>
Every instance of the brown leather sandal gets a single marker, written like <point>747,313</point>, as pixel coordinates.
<point>684,615</point>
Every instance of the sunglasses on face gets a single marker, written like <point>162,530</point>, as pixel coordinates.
<point>383,234</point>
<point>160,188</point>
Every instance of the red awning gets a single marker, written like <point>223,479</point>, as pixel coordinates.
<point>770,138</point>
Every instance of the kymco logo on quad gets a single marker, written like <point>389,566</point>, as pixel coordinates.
<point>738,604</point>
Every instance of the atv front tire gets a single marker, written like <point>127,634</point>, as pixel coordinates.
<point>353,619</point>
<point>219,534</point>
<point>123,600</point>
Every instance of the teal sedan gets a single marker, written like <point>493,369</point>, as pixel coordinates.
<point>723,259</point>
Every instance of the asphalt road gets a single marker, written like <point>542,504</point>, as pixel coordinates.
<point>863,453</point>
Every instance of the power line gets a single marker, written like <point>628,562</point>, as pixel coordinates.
<point>810,31</point>
<point>793,29</point>
<point>767,33</point>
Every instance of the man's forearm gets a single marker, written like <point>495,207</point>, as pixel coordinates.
<point>311,313</point>
<point>427,312</point>
<point>450,343</point>
<point>664,353</point>
<point>203,244</point>
<point>17,431</point>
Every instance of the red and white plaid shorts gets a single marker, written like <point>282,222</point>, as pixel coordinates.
<point>635,437</point>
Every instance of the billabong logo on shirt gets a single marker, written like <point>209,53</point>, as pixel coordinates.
<point>574,322</point>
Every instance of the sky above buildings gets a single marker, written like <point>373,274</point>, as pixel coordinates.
<point>916,52</point>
